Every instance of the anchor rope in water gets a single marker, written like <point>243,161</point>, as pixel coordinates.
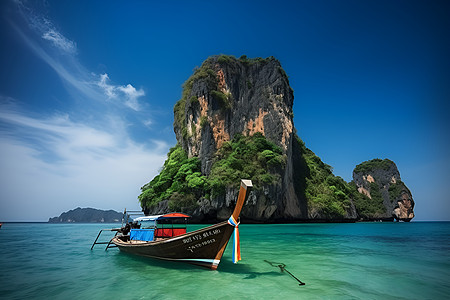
<point>236,241</point>
<point>282,269</point>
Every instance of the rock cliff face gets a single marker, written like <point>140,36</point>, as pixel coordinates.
<point>229,96</point>
<point>235,120</point>
<point>226,98</point>
<point>380,181</point>
<point>234,97</point>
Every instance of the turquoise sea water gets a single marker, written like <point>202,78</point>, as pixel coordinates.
<point>336,261</point>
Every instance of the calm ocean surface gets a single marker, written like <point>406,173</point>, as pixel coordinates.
<point>336,261</point>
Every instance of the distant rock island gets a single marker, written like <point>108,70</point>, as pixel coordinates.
<point>384,195</point>
<point>235,121</point>
<point>88,215</point>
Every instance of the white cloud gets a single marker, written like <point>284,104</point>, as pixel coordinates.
<point>131,96</point>
<point>45,28</point>
<point>68,68</point>
<point>93,167</point>
<point>53,164</point>
<point>60,41</point>
<point>107,88</point>
<point>127,93</point>
<point>65,64</point>
<point>148,123</point>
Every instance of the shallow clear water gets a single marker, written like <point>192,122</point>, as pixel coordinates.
<point>336,261</point>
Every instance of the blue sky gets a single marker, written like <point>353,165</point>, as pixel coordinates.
<point>87,90</point>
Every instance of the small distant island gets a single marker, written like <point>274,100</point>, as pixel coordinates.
<point>87,215</point>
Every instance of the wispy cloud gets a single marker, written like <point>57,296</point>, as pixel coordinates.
<point>132,96</point>
<point>67,68</point>
<point>128,92</point>
<point>59,41</point>
<point>58,135</point>
<point>60,53</point>
<point>55,164</point>
<point>45,28</point>
<point>108,89</point>
<point>148,123</point>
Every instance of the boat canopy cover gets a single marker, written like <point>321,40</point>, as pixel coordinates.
<point>174,215</point>
<point>147,218</point>
<point>159,217</point>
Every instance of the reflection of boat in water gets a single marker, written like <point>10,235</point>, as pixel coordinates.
<point>165,237</point>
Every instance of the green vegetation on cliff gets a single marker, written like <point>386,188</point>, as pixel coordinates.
<point>396,189</point>
<point>181,182</point>
<point>367,208</point>
<point>368,166</point>
<point>208,75</point>
<point>245,157</point>
<point>375,207</point>
<point>331,196</point>
<point>327,195</point>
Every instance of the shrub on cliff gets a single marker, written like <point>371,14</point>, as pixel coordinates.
<point>380,180</point>
<point>205,73</point>
<point>366,208</point>
<point>368,166</point>
<point>180,175</point>
<point>245,157</point>
<point>181,182</point>
<point>328,195</point>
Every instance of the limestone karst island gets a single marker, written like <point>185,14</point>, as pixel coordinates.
<point>234,120</point>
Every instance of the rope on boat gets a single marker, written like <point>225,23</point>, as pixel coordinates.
<point>236,240</point>
<point>282,269</point>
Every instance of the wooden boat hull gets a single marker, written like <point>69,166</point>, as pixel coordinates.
<point>203,247</point>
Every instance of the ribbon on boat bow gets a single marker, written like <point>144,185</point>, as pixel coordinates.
<point>236,241</point>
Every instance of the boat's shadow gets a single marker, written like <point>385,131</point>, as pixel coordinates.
<point>245,269</point>
<point>226,266</point>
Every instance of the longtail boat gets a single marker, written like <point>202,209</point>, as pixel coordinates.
<point>167,239</point>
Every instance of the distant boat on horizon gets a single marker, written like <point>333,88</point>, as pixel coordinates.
<point>164,237</point>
